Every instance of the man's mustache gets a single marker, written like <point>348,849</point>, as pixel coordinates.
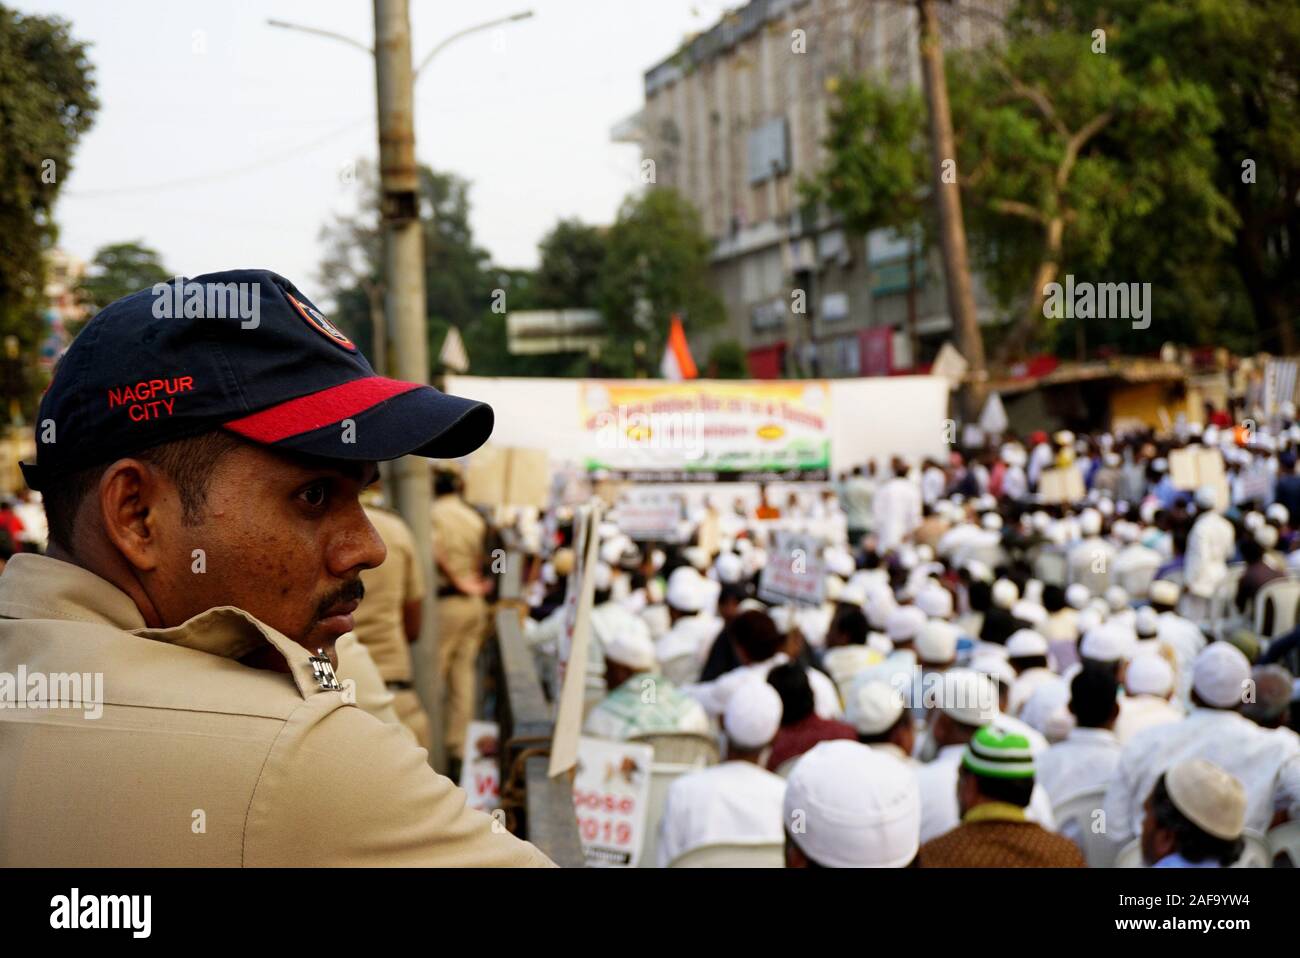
<point>352,591</point>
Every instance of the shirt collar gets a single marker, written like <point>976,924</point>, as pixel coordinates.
<point>39,587</point>
<point>1092,735</point>
<point>994,812</point>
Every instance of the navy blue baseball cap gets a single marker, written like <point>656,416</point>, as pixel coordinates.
<point>241,350</point>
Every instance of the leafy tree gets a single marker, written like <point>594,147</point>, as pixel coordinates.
<point>118,270</point>
<point>462,288</point>
<point>727,361</point>
<point>47,102</point>
<point>656,264</point>
<point>1071,161</point>
<point>568,275</point>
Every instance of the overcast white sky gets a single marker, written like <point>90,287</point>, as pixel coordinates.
<point>261,121</point>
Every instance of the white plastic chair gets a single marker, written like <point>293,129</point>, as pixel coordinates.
<point>1074,817</point>
<point>1255,854</point>
<point>1285,839</point>
<point>686,752</point>
<point>732,856</point>
<point>1284,596</point>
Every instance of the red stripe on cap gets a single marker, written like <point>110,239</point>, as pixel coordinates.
<point>324,408</point>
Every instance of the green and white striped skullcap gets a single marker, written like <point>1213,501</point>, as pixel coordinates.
<point>999,753</point>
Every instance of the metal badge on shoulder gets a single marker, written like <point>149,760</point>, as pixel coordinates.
<point>322,669</point>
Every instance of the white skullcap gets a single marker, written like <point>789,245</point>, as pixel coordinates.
<point>936,644</point>
<point>993,663</point>
<point>548,573</point>
<point>686,590</point>
<point>858,807</point>
<point>1252,520</point>
<point>753,714</point>
<point>839,562</point>
<point>1212,799</point>
<point>1116,598</point>
<point>1266,536</point>
<point>979,571</point>
<point>1149,674</point>
<point>1111,459</point>
<point>1207,497</point>
<point>1063,438</point>
<point>1160,465</point>
<point>1005,593</point>
<point>934,600</point>
<point>1024,643</point>
<point>873,707</point>
<point>657,559</point>
<point>834,588</point>
<point>1042,709</point>
<point>1089,618</point>
<point>1220,675</point>
<point>1090,522</point>
<point>1164,592</point>
<point>602,576</point>
<point>1278,513</point>
<point>729,567</point>
<point>752,605</point>
<point>1104,643</point>
<point>853,593</point>
<point>1031,612</point>
<point>1147,622</point>
<point>1106,507</point>
<point>607,530</point>
<point>968,697</point>
<point>1077,595</point>
<point>880,642</point>
<point>1041,520</point>
<point>697,557</point>
<point>907,557</point>
<point>632,648</point>
<point>991,521</point>
<point>904,622</point>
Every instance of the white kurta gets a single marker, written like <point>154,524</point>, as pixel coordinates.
<point>939,811</point>
<point>1138,712</point>
<point>1209,547</point>
<point>1267,765</point>
<point>734,802</point>
<point>897,510</point>
<point>1086,759</point>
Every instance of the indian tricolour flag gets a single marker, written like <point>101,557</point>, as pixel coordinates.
<point>677,363</point>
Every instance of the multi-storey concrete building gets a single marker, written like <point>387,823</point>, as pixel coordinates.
<point>735,119</point>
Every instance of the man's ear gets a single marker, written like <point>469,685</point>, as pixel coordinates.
<point>130,492</point>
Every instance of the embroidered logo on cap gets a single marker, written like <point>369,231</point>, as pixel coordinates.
<point>322,325</point>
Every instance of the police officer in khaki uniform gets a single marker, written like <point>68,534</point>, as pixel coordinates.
<point>388,619</point>
<point>459,544</point>
<point>170,659</point>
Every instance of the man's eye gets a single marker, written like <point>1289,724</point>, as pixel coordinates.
<point>315,494</point>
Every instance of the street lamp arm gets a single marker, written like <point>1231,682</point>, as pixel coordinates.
<point>285,25</point>
<point>466,32</point>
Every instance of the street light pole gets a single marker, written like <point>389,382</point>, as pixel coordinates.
<point>404,303</point>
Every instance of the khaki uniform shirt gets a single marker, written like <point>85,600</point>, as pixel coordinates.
<point>389,586</point>
<point>197,759</point>
<point>458,535</point>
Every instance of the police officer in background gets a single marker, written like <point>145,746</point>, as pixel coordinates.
<point>388,619</point>
<point>201,471</point>
<point>459,550</point>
